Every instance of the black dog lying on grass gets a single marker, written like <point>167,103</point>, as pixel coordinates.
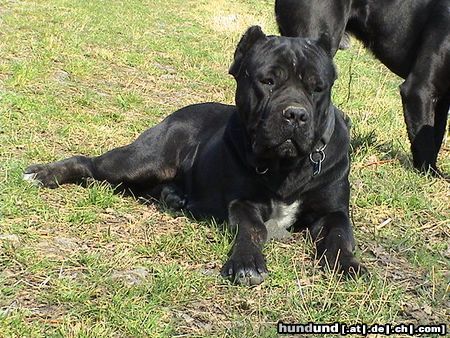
<point>411,37</point>
<point>279,155</point>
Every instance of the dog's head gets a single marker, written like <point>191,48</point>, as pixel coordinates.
<point>283,93</point>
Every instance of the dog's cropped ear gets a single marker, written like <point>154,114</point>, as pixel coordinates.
<point>324,42</point>
<point>248,40</point>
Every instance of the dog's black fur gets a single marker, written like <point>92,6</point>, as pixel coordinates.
<point>248,163</point>
<point>411,37</point>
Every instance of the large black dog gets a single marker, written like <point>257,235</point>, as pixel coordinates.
<point>279,155</point>
<point>411,37</point>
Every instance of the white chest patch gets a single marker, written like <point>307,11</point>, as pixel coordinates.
<point>283,215</point>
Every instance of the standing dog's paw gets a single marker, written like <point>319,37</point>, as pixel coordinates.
<point>41,175</point>
<point>245,267</point>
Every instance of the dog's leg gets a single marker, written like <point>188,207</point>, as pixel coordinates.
<point>422,95</point>
<point>335,244</point>
<point>50,175</point>
<point>141,164</point>
<point>420,118</point>
<point>121,165</point>
<point>246,264</point>
<point>441,116</point>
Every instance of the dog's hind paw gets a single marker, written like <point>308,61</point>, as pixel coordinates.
<point>40,175</point>
<point>172,197</point>
<point>31,177</point>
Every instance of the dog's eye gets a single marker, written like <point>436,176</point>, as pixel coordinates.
<point>318,90</point>
<point>267,81</point>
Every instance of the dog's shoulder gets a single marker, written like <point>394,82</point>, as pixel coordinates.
<point>209,111</point>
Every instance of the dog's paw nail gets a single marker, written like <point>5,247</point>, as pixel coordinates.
<point>262,271</point>
<point>250,278</point>
<point>245,270</point>
<point>31,177</point>
<point>226,271</point>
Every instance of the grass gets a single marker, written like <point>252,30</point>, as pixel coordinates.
<point>87,76</point>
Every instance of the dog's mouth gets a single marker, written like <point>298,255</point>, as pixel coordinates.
<point>284,149</point>
<point>287,149</point>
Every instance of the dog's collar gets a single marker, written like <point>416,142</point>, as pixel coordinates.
<point>317,156</point>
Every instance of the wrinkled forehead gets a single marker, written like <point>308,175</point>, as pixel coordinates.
<point>294,55</point>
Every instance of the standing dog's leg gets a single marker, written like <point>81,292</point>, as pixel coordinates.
<point>335,244</point>
<point>441,116</point>
<point>419,115</point>
<point>246,264</point>
<point>423,96</point>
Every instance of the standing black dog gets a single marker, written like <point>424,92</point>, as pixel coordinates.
<point>280,154</point>
<point>411,37</point>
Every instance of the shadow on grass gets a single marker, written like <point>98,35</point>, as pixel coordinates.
<point>391,152</point>
<point>362,142</point>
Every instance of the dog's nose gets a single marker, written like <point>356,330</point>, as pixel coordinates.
<point>296,114</point>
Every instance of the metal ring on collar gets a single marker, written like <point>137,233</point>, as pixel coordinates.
<point>320,152</point>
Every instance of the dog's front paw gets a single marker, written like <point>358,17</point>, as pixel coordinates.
<point>41,175</point>
<point>245,267</point>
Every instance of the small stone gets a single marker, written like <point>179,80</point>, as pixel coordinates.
<point>428,310</point>
<point>447,253</point>
<point>131,277</point>
<point>188,319</point>
<point>110,211</point>
<point>11,239</point>
<point>67,244</point>
<point>61,75</point>
<point>129,217</point>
